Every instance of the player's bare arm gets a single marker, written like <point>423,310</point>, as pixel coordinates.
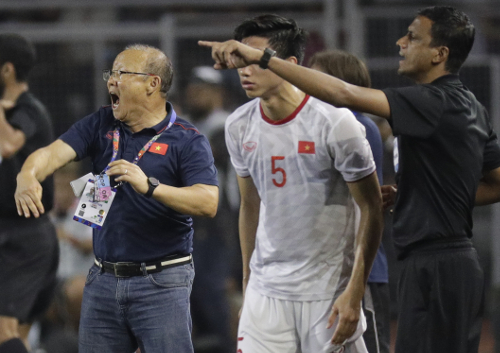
<point>233,54</point>
<point>366,193</point>
<point>488,191</point>
<point>195,200</point>
<point>247,223</point>
<point>40,164</point>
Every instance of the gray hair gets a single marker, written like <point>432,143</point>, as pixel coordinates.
<point>158,64</point>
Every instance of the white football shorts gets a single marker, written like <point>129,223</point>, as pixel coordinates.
<point>270,325</point>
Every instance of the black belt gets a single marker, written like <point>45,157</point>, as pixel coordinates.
<point>436,245</point>
<point>130,269</point>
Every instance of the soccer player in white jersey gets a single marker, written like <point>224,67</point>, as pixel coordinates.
<point>301,164</point>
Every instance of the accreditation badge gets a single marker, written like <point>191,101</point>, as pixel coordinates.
<point>95,202</point>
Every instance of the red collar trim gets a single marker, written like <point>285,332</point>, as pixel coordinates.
<point>288,118</point>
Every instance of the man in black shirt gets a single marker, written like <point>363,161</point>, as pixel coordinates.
<point>449,161</point>
<point>29,251</point>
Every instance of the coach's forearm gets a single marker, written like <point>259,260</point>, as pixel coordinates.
<point>37,167</point>
<point>322,86</point>
<point>196,200</point>
<point>331,89</point>
<point>45,161</point>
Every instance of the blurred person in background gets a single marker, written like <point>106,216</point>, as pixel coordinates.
<point>29,251</point>
<point>376,301</point>
<point>301,164</point>
<point>137,292</point>
<point>214,239</point>
<point>449,161</point>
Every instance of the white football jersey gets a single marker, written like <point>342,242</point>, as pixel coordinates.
<point>300,166</point>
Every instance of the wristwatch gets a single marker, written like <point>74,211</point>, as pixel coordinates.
<point>153,184</point>
<point>264,60</point>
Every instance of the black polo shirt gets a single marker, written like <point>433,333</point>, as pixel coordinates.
<point>31,117</point>
<point>445,141</point>
<point>137,228</point>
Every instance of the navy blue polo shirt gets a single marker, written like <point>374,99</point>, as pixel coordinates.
<point>137,228</point>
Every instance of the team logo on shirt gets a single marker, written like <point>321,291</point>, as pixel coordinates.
<point>307,147</point>
<point>109,135</point>
<point>249,146</point>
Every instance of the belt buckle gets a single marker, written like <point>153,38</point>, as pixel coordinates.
<point>115,269</point>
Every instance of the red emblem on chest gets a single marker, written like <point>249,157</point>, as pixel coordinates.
<point>307,147</point>
<point>159,148</point>
<point>249,146</point>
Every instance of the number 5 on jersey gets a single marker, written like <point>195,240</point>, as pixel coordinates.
<point>278,181</point>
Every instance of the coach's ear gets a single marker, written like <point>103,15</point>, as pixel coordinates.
<point>442,55</point>
<point>292,59</point>
<point>154,84</point>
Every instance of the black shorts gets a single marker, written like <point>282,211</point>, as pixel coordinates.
<point>29,256</point>
<point>440,299</point>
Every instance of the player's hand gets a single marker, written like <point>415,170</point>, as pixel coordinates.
<point>388,195</point>
<point>346,310</point>
<point>28,196</point>
<point>232,54</point>
<point>129,173</point>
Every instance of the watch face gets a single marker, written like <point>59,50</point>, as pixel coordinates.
<point>153,181</point>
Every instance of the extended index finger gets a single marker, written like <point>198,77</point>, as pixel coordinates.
<point>217,54</point>
<point>206,43</point>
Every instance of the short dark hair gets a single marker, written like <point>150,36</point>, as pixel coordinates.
<point>453,29</point>
<point>341,64</point>
<point>283,34</point>
<point>18,51</point>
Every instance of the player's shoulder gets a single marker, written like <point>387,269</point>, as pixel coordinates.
<point>244,112</point>
<point>328,112</point>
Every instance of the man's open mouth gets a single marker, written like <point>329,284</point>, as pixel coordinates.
<point>115,100</point>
